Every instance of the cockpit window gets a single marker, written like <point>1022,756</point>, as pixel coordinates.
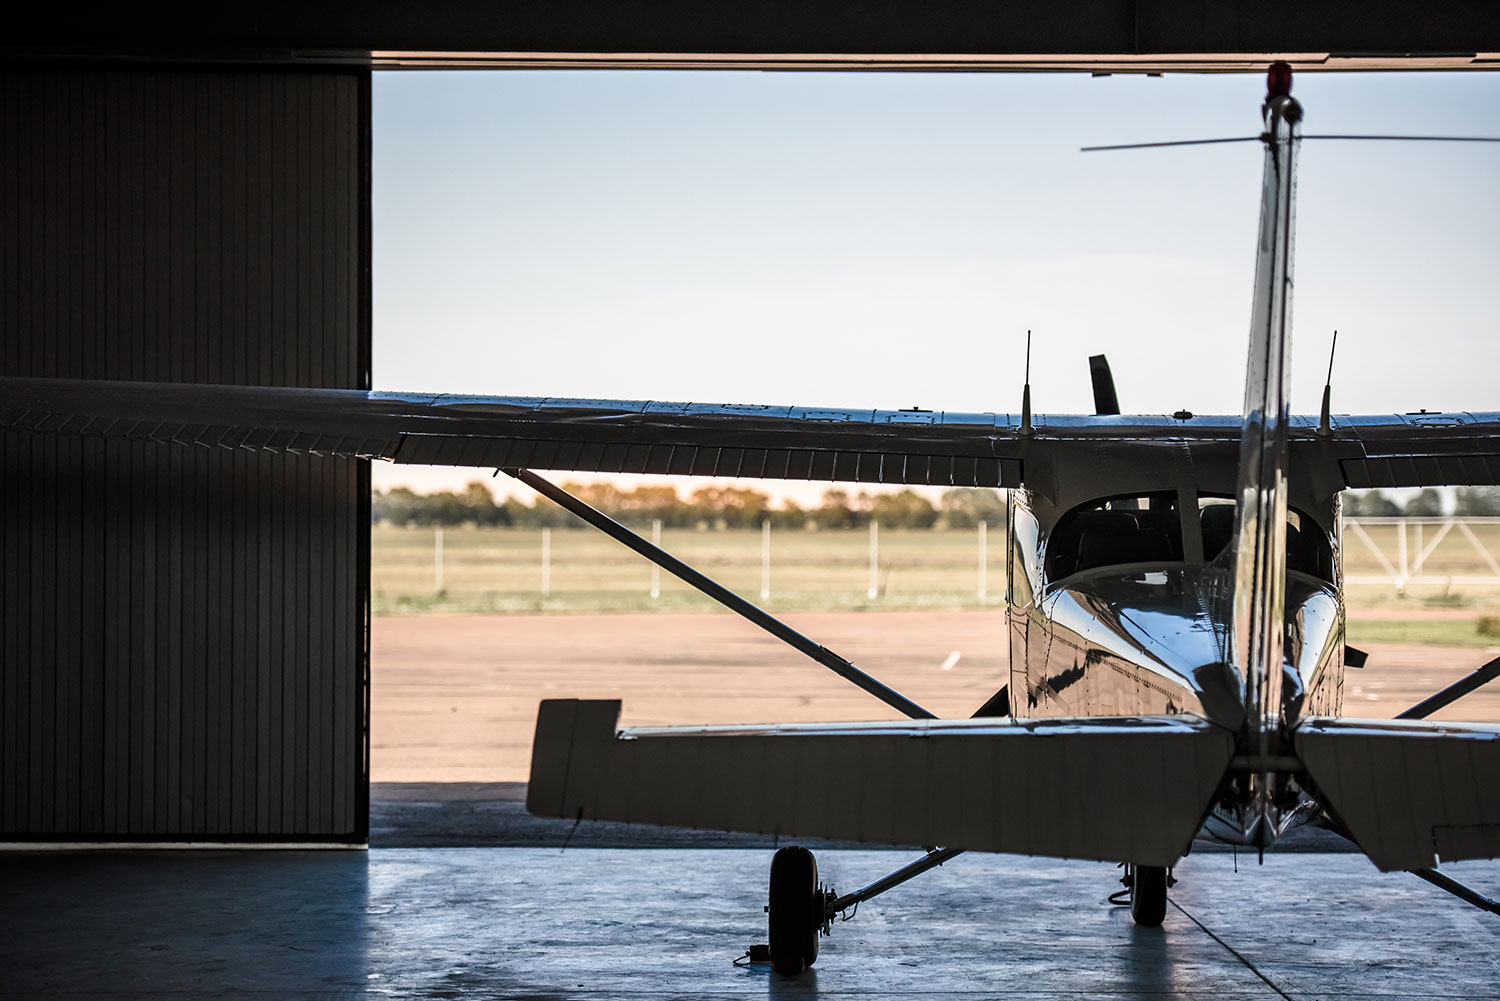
<point>1147,528</point>
<point>1144,528</point>
<point>1307,549</point>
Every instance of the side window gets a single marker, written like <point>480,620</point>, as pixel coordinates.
<point>1216,518</point>
<point>1023,540</point>
<point>1307,547</point>
<point>1144,528</point>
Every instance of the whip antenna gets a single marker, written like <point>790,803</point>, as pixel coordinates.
<point>1026,427</point>
<point>1325,422</point>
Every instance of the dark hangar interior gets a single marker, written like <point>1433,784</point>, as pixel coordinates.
<point>184,632</point>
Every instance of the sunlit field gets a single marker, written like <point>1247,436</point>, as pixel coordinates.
<point>455,693</point>
<point>501,570</point>
<point>1431,553</point>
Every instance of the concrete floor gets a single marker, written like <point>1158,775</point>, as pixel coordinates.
<point>666,923</point>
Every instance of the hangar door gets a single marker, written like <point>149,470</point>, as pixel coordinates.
<point>183,631</point>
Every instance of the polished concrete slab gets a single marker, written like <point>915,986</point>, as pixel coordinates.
<point>666,923</point>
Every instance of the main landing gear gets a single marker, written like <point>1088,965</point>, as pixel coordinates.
<point>797,912</point>
<point>800,910</point>
<point>1146,892</point>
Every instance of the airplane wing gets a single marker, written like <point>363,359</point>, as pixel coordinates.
<point>1409,791</point>
<point>616,436</point>
<point>1116,789</point>
<point>1407,450</point>
<point>749,440</point>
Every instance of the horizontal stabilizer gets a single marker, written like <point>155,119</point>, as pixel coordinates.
<point>1125,789</point>
<point>1408,791</point>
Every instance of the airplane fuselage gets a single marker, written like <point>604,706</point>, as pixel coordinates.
<point>1121,605</point>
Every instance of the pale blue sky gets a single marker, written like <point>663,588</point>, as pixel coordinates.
<point>887,239</point>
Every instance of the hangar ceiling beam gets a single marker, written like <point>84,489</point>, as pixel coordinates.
<point>1084,35</point>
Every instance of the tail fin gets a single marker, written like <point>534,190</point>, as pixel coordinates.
<point>1105,400</point>
<point>1259,590</point>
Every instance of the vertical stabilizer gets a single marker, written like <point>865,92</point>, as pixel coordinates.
<point>1259,594</point>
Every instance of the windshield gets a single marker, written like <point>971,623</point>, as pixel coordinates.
<point>1141,528</point>
<point>1147,528</point>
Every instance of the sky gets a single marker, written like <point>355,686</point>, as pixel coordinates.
<point>886,240</point>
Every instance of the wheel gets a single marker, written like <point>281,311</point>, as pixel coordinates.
<point>1148,895</point>
<point>795,911</point>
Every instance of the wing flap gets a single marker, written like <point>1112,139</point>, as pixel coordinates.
<point>665,459</point>
<point>1409,791</point>
<point>1122,789</point>
<point>1422,471</point>
<point>1412,450</point>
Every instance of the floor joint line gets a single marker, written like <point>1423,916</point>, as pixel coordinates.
<point>1232,951</point>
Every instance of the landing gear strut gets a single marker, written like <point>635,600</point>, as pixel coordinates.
<point>794,929</point>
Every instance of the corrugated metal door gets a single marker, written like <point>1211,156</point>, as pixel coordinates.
<point>183,633</point>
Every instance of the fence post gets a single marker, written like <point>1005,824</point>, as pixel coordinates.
<point>655,570</point>
<point>765,559</point>
<point>874,591</point>
<point>1401,555</point>
<point>984,559</point>
<point>437,560</point>
<point>546,562</point>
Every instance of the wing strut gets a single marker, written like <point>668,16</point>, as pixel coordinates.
<point>719,593</point>
<point>1463,686</point>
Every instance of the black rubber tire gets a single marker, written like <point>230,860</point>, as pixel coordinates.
<point>795,912</point>
<point>1148,895</point>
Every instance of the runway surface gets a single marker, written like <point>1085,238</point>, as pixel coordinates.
<point>454,699</point>
<point>640,924</point>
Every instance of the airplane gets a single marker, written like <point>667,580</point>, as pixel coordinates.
<point>1175,612</point>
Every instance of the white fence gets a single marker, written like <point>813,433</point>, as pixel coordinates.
<point>453,561</point>
<point>1403,551</point>
<point>1393,552</point>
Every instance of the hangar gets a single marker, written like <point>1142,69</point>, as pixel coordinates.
<point>185,633</point>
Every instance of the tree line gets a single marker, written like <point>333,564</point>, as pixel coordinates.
<point>1430,502</point>
<point>741,507</point>
<point>705,507</point>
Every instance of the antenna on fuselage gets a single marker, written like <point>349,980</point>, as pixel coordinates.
<point>1325,421</point>
<point>1026,427</point>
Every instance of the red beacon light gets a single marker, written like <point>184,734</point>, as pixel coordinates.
<point>1279,80</point>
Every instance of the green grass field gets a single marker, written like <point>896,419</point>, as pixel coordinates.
<point>500,570</point>
<point>1468,632</point>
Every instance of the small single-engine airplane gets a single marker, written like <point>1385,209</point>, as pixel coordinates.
<point>1175,610</point>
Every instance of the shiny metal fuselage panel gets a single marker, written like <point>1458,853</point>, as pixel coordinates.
<point>1149,639</point>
